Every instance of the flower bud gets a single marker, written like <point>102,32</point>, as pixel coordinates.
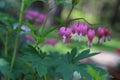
<point>91,34</point>
<point>76,75</point>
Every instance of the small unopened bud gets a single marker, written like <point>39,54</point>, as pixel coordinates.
<point>76,75</point>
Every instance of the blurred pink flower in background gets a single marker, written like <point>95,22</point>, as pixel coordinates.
<point>31,14</point>
<point>118,51</point>
<point>36,17</point>
<point>51,42</point>
<point>30,38</point>
<point>85,61</point>
<point>91,34</point>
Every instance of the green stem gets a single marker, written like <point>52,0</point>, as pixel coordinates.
<point>69,14</point>
<point>43,25</point>
<point>6,43</point>
<point>45,77</point>
<point>17,36</point>
<point>83,20</point>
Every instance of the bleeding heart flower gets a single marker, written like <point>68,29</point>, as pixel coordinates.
<point>65,33</point>
<point>76,28</point>
<point>83,29</point>
<point>91,34</point>
<point>107,34</point>
<point>79,30</point>
<point>100,34</point>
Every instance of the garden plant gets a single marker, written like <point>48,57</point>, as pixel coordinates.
<point>21,41</point>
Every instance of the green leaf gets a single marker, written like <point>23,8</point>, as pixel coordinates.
<point>41,70</point>
<point>66,70</point>
<point>101,71</point>
<point>38,64</point>
<point>73,52</point>
<point>82,68</point>
<point>69,57</point>
<point>29,49</point>
<point>44,0</point>
<point>29,2</point>
<point>40,40</point>
<point>85,54</point>
<point>47,31</point>
<point>4,22</point>
<point>5,69</point>
<point>6,72</point>
<point>75,2</point>
<point>3,62</point>
<point>82,55</point>
<point>69,5</point>
<point>95,74</point>
<point>63,2</point>
<point>32,28</point>
<point>37,39</point>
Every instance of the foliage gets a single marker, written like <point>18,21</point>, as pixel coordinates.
<point>24,60</point>
<point>96,74</point>
<point>62,64</point>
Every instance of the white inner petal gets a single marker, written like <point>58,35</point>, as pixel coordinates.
<point>77,37</point>
<point>80,37</point>
<point>64,38</point>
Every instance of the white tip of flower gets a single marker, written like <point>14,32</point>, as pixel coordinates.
<point>80,37</point>
<point>89,44</point>
<point>76,75</point>
<point>77,37</point>
<point>64,39</point>
<point>101,40</point>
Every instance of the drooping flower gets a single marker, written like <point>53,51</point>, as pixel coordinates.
<point>100,34</point>
<point>91,34</point>
<point>76,31</point>
<point>107,34</point>
<point>65,33</point>
<point>79,30</point>
<point>83,29</point>
<point>75,28</point>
